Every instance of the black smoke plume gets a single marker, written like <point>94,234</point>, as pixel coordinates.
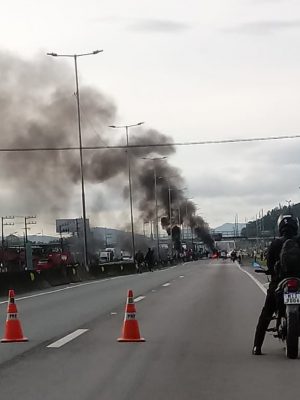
<point>38,109</point>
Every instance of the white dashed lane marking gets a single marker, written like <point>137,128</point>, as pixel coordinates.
<point>139,298</point>
<point>166,284</point>
<point>67,339</point>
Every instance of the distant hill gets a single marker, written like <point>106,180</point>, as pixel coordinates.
<point>42,239</point>
<point>229,227</point>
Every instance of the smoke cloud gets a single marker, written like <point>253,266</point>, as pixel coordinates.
<point>38,109</point>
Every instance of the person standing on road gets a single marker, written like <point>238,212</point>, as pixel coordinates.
<point>149,259</point>
<point>139,258</point>
<point>288,228</point>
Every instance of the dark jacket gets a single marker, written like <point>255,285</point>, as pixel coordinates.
<point>273,255</point>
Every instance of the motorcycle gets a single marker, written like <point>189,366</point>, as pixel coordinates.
<point>287,315</point>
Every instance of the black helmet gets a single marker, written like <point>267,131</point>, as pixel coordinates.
<point>288,224</point>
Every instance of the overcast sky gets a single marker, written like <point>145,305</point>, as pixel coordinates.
<point>192,70</point>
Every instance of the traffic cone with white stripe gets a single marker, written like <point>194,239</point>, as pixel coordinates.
<point>130,330</point>
<point>13,329</point>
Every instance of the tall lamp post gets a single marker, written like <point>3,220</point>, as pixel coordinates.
<point>129,177</point>
<point>170,210</point>
<point>186,214</point>
<point>155,159</point>
<point>75,56</point>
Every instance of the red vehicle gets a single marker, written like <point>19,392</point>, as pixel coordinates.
<point>55,259</point>
<point>13,259</point>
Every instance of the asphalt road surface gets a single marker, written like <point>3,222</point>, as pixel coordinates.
<point>198,320</point>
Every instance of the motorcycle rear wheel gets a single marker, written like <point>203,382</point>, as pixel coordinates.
<point>292,335</point>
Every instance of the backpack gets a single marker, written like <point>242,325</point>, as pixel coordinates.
<point>290,258</point>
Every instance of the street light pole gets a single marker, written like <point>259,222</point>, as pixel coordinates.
<point>186,215</point>
<point>130,194</point>
<point>154,159</point>
<point>85,247</point>
<point>170,212</point>
<point>129,178</point>
<point>156,215</point>
<point>75,56</point>
<point>170,207</point>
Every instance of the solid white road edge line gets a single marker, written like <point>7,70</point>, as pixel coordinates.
<point>139,298</point>
<point>67,338</point>
<point>260,285</point>
<point>166,284</point>
<point>74,286</point>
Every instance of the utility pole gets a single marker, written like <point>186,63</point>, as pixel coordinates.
<point>2,227</point>
<point>105,238</point>
<point>28,221</point>
<point>61,239</point>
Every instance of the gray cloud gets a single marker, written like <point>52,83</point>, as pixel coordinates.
<point>264,27</point>
<point>158,25</point>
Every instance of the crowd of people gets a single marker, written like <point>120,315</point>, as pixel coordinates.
<point>147,262</point>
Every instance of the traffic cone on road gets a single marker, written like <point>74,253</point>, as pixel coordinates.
<point>130,330</point>
<point>13,329</point>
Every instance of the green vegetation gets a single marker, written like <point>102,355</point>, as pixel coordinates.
<point>267,226</point>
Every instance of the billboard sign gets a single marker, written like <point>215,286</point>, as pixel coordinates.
<point>71,225</point>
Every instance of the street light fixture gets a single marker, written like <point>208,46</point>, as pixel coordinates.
<point>75,56</point>
<point>154,159</point>
<point>129,176</point>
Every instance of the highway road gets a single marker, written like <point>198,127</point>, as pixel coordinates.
<point>198,320</point>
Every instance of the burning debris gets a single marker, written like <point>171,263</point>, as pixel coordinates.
<point>38,109</point>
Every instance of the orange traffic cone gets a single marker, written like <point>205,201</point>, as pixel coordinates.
<point>130,330</point>
<point>13,330</point>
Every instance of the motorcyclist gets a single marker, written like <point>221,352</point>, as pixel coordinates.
<point>288,228</point>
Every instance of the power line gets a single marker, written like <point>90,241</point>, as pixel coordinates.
<point>89,123</point>
<point>143,145</point>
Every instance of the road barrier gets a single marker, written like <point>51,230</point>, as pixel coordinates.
<point>25,281</point>
<point>113,269</point>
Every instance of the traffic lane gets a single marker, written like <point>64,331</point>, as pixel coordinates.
<point>73,361</point>
<point>199,333</point>
<point>57,312</point>
<point>263,278</point>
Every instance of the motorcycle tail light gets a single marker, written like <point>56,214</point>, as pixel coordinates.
<point>292,285</point>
